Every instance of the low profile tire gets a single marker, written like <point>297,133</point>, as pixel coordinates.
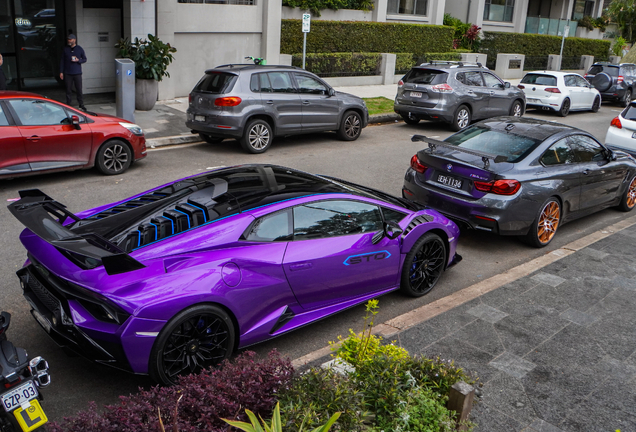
<point>596,105</point>
<point>516,110</point>
<point>565,108</point>
<point>350,127</point>
<point>423,266</point>
<point>410,120</point>
<point>462,117</point>
<point>629,197</point>
<point>113,157</point>
<point>210,139</point>
<point>257,137</point>
<point>627,98</point>
<point>197,338</point>
<point>545,225</point>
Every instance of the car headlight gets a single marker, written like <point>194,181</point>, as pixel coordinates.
<point>135,129</point>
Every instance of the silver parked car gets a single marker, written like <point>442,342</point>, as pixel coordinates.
<point>455,93</point>
<point>255,103</point>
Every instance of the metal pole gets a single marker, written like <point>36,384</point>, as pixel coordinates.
<point>563,40</point>
<point>304,48</point>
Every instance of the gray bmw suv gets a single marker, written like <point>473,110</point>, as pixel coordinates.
<point>254,103</point>
<point>455,93</point>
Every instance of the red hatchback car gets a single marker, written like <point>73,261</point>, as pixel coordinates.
<point>38,135</point>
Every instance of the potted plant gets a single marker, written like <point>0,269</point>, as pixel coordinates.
<point>151,57</point>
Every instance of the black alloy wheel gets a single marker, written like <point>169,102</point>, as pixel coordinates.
<point>565,108</point>
<point>423,266</point>
<point>410,120</point>
<point>113,157</point>
<point>627,98</point>
<point>597,104</point>
<point>197,338</point>
<point>210,139</point>
<point>516,109</point>
<point>351,126</point>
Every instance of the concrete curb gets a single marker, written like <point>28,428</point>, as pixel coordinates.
<point>189,139</point>
<point>424,313</point>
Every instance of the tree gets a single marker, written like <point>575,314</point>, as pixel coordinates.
<point>623,13</point>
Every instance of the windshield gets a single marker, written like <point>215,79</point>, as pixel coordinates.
<point>539,79</point>
<point>495,142</point>
<point>216,82</point>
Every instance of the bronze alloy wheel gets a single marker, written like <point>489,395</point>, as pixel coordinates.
<point>631,194</point>
<point>548,222</point>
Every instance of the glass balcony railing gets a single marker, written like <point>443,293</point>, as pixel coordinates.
<point>549,26</point>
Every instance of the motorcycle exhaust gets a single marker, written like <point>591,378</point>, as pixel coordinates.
<point>39,369</point>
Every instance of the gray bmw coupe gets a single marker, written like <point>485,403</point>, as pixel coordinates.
<point>520,176</point>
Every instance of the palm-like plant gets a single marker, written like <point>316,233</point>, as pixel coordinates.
<point>276,424</point>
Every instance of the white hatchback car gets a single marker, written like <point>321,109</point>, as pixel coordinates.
<point>559,91</point>
<point>621,134</point>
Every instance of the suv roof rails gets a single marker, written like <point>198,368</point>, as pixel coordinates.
<point>254,66</point>
<point>451,63</point>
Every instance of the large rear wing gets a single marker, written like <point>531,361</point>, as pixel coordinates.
<point>45,218</point>
<point>485,157</point>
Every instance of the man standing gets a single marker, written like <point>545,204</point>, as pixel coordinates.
<point>71,69</point>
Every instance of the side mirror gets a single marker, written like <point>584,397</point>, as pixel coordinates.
<point>507,85</point>
<point>391,231</point>
<point>332,92</point>
<point>75,121</point>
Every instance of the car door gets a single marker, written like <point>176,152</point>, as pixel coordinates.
<point>50,140</point>
<point>600,177</point>
<point>478,94</point>
<point>320,110</point>
<point>281,100</point>
<point>332,257</point>
<point>499,100</point>
<point>14,159</point>
<point>575,92</point>
<point>587,95</point>
<point>561,174</point>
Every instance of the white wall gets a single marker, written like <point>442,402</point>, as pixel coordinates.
<point>139,18</point>
<point>98,73</point>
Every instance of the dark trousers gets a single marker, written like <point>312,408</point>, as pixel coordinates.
<point>69,80</point>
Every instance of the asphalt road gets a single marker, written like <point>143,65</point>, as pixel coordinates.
<point>378,159</point>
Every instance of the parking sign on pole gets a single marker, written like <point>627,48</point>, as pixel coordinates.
<point>306,23</point>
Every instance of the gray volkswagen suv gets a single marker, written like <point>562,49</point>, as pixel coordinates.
<point>614,82</point>
<point>255,103</point>
<point>455,93</point>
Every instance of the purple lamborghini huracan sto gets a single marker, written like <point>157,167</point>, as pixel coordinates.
<point>177,278</point>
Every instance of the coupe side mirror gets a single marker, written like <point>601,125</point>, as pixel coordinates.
<point>391,231</point>
<point>507,85</point>
<point>75,121</point>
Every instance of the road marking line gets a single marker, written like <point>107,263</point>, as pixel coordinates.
<point>431,310</point>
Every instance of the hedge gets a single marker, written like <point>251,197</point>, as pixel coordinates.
<point>315,6</point>
<point>535,45</point>
<point>332,64</point>
<point>358,36</point>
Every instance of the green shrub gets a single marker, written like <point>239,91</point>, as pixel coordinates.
<point>325,64</point>
<point>423,411</point>
<point>315,6</point>
<point>358,36</point>
<point>535,45</point>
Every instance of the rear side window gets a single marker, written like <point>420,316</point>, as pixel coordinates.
<point>627,70</point>
<point>425,76</point>
<point>559,153</point>
<point>3,117</point>
<point>273,227</point>
<point>629,113</point>
<point>610,70</point>
<point>391,215</point>
<point>216,82</point>
<point>539,79</point>
<point>260,83</point>
<point>281,82</point>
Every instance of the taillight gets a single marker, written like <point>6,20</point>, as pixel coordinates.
<point>417,165</point>
<point>229,101</point>
<point>400,83</point>
<point>620,79</point>
<point>521,86</point>
<point>553,90</point>
<point>442,88</point>
<point>499,187</point>
<point>190,98</point>
<point>616,122</point>
<point>14,383</point>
